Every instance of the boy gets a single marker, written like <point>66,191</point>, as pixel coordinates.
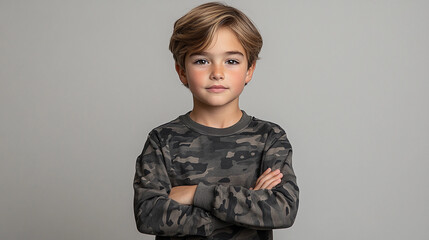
<point>215,172</point>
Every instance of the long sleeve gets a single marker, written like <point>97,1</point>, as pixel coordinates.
<point>155,212</point>
<point>257,209</point>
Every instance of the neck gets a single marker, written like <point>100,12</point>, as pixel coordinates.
<point>216,117</point>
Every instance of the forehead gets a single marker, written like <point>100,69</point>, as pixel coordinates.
<point>224,41</point>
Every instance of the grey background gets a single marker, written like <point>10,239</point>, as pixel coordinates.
<point>83,82</point>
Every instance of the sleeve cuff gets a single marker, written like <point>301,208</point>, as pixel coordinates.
<point>204,196</point>
<point>218,224</point>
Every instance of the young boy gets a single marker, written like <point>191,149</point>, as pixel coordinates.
<point>215,172</point>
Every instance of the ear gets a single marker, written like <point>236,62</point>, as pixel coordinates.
<point>250,71</point>
<point>182,74</point>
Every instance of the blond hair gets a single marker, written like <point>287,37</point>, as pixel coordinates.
<point>195,31</point>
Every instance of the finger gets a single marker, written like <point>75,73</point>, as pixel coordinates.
<point>266,178</point>
<point>272,182</point>
<point>263,175</point>
<point>268,181</point>
<point>268,170</point>
<point>269,175</point>
<point>268,184</point>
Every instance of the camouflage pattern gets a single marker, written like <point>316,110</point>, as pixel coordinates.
<point>224,166</point>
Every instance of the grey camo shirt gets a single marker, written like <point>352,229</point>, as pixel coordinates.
<point>224,163</point>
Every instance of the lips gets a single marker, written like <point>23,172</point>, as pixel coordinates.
<point>217,87</point>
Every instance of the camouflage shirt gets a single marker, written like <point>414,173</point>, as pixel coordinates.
<point>224,163</point>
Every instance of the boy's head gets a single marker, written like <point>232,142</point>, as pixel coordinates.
<point>195,31</point>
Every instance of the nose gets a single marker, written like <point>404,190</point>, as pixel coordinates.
<point>217,72</point>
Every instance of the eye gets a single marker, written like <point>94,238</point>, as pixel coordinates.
<point>232,61</point>
<point>201,61</point>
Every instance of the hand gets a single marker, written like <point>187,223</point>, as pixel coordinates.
<point>183,194</point>
<point>268,179</point>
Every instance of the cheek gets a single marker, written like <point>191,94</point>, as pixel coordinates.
<point>238,76</point>
<point>197,76</point>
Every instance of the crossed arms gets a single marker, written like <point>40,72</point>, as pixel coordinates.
<point>185,194</point>
<point>163,210</point>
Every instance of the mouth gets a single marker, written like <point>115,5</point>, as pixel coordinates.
<point>217,87</point>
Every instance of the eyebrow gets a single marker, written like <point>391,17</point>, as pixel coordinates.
<point>226,53</point>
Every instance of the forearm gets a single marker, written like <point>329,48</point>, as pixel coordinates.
<point>260,209</point>
<point>163,216</point>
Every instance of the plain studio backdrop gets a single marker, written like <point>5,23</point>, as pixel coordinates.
<point>83,83</point>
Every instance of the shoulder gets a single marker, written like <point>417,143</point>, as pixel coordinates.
<point>269,127</point>
<point>271,131</point>
<point>164,130</point>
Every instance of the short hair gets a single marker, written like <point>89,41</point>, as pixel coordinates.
<point>194,31</point>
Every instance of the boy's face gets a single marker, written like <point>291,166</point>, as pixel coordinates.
<point>217,75</point>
